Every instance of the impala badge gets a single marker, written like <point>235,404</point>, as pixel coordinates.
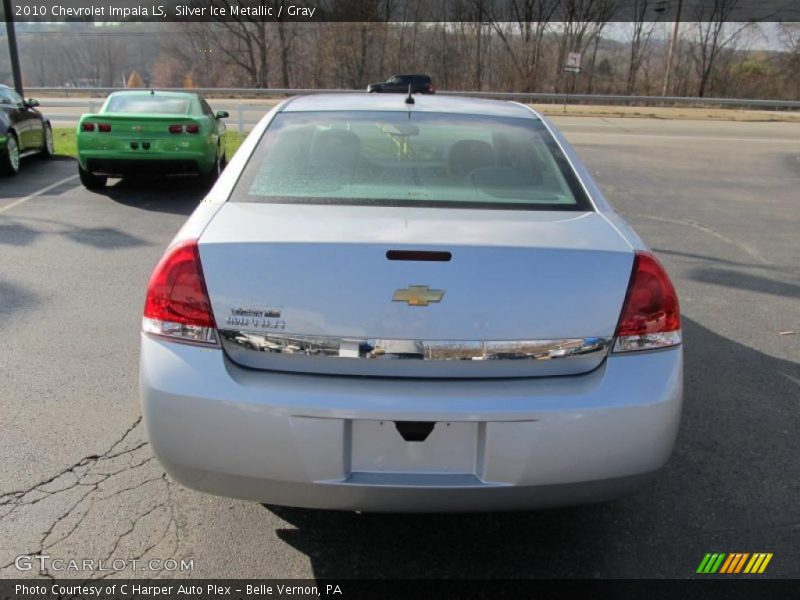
<point>417,295</point>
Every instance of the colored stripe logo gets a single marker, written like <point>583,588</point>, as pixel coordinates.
<point>734,563</point>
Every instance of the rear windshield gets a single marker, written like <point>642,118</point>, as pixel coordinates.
<point>410,159</point>
<point>163,105</point>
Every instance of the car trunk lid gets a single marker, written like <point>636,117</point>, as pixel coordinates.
<point>309,288</point>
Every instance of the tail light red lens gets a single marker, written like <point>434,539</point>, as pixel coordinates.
<point>651,315</point>
<point>104,127</point>
<point>176,128</point>
<point>87,127</point>
<point>177,304</point>
<point>194,128</point>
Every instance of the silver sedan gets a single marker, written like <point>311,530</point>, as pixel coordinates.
<point>422,304</point>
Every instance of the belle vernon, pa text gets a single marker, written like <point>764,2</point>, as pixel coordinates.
<point>178,590</point>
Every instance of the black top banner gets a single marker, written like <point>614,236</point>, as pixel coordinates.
<point>478,11</point>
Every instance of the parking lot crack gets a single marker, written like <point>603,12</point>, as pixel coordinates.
<point>15,496</point>
<point>64,508</point>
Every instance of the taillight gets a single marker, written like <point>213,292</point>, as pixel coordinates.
<point>88,127</point>
<point>104,127</point>
<point>177,304</point>
<point>175,128</point>
<point>194,128</point>
<point>650,316</point>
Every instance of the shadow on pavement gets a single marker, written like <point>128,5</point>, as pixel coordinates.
<point>730,485</point>
<point>14,298</point>
<point>722,261</point>
<point>38,173</point>
<point>18,233</point>
<point>745,281</point>
<point>104,238</point>
<point>174,195</point>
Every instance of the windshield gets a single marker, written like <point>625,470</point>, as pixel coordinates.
<point>164,105</point>
<point>410,159</point>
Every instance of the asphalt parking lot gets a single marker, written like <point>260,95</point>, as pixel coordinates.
<point>717,201</point>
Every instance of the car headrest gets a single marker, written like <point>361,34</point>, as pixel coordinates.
<point>336,148</point>
<point>468,155</point>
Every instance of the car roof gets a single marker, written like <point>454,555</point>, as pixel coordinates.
<point>436,103</point>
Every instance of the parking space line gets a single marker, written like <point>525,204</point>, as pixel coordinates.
<point>44,190</point>
<point>790,378</point>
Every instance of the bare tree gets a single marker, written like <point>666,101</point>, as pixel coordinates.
<point>713,33</point>
<point>473,17</point>
<point>100,58</point>
<point>641,32</point>
<point>245,42</point>
<point>521,26</point>
<point>789,36</point>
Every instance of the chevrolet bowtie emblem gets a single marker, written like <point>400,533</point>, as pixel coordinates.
<point>418,295</point>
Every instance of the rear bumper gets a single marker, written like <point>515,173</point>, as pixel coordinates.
<point>121,167</point>
<point>330,442</point>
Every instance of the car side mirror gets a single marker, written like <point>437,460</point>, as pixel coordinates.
<point>222,114</point>
<point>32,103</point>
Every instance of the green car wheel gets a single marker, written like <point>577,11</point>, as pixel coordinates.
<point>216,170</point>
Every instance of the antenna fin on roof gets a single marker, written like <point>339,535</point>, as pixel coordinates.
<point>409,99</point>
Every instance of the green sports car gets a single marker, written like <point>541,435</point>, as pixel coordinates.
<point>146,132</point>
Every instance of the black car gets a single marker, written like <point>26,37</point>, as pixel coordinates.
<point>420,84</point>
<point>24,131</point>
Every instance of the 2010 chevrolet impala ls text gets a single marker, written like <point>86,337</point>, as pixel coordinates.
<point>425,304</point>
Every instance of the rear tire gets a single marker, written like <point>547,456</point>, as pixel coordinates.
<point>9,158</point>
<point>48,148</point>
<point>91,181</point>
<point>208,179</point>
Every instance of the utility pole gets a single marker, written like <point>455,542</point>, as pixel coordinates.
<point>13,54</point>
<point>671,51</point>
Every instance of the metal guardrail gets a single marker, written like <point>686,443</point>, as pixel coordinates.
<point>523,96</point>
<point>93,103</point>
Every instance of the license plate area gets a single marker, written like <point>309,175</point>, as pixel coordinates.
<point>378,447</point>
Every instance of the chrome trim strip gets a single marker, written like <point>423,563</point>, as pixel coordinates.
<point>340,347</point>
<point>413,358</point>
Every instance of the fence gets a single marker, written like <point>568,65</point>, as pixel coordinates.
<point>248,114</point>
